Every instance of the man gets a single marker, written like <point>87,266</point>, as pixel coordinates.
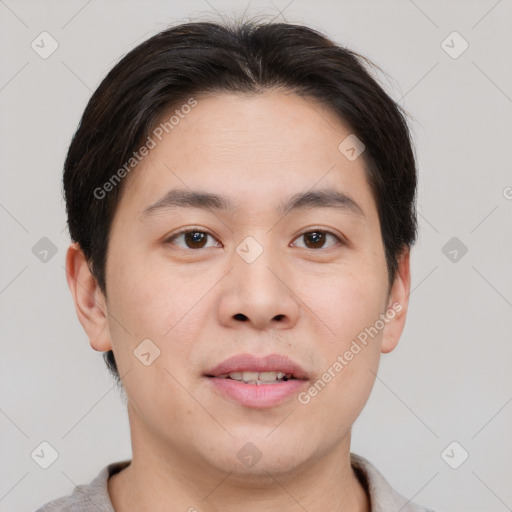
<point>241,201</point>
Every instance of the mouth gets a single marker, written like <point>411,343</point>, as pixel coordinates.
<point>258,378</point>
<point>251,369</point>
<point>257,382</point>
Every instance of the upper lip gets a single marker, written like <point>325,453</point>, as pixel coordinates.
<point>251,363</point>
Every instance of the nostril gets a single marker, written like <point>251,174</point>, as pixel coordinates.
<point>240,316</point>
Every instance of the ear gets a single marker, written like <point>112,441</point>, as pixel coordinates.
<point>90,303</point>
<point>398,304</point>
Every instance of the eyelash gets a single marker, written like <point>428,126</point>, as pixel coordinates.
<point>173,237</point>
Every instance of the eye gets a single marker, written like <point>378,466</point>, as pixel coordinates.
<point>316,238</point>
<point>192,238</point>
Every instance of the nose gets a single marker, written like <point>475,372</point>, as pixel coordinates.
<point>259,292</point>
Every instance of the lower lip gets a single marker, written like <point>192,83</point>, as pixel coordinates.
<point>254,395</point>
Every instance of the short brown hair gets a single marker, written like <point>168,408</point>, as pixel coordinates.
<point>247,57</point>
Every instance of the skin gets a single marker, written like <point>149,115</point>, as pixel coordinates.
<point>300,299</point>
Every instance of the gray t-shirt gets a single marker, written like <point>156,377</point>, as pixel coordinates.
<point>94,497</point>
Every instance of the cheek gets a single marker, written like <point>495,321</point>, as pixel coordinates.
<point>350,350</point>
<point>350,305</point>
<point>145,295</point>
<point>346,302</point>
<point>150,302</point>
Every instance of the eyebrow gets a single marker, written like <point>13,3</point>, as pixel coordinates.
<point>323,198</point>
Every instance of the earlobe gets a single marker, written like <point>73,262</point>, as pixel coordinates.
<point>398,304</point>
<point>90,303</point>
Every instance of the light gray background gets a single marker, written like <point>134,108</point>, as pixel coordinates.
<point>449,379</point>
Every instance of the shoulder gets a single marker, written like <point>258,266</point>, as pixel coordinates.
<point>92,497</point>
<point>382,496</point>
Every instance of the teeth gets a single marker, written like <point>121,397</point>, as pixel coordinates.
<point>270,376</point>
<point>257,377</point>
<point>249,376</point>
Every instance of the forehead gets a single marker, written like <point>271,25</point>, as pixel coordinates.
<point>249,148</point>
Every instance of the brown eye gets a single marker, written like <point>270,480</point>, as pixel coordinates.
<point>193,239</point>
<point>316,239</point>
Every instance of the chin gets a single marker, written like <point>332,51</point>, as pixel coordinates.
<point>254,460</point>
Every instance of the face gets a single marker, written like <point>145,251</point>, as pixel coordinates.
<point>205,280</point>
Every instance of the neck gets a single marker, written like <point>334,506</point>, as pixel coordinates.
<point>175,480</point>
